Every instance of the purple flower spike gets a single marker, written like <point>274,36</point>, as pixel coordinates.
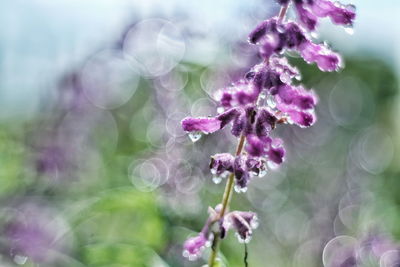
<point>268,96</point>
<point>194,246</point>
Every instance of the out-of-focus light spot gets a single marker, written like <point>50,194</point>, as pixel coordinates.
<point>307,254</point>
<point>346,101</point>
<point>173,81</point>
<point>34,232</point>
<point>202,106</point>
<point>154,133</point>
<point>339,251</point>
<point>154,47</point>
<point>188,179</point>
<point>108,80</point>
<point>20,259</point>
<point>317,135</point>
<point>211,80</point>
<point>173,124</point>
<point>390,258</point>
<point>350,216</point>
<point>373,150</point>
<point>96,127</point>
<point>147,175</point>
<point>284,230</point>
<point>202,42</point>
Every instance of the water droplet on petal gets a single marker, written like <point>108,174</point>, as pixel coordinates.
<point>220,110</point>
<point>262,173</point>
<point>217,179</point>
<point>272,165</point>
<point>349,30</point>
<point>254,223</point>
<point>19,259</point>
<point>351,8</point>
<point>195,136</point>
<point>241,240</point>
<point>314,35</point>
<point>281,28</point>
<point>253,173</point>
<point>239,189</point>
<point>271,101</point>
<point>284,77</point>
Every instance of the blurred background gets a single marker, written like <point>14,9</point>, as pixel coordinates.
<point>96,171</point>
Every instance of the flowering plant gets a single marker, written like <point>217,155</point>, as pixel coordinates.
<point>254,106</point>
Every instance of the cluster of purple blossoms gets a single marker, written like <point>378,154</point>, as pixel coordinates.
<point>268,95</point>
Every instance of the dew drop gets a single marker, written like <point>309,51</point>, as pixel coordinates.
<point>272,165</point>
<point>281,28</point>
<point>271,101</point>
<point>285,78</point>
<point>262,173</point>
<point>254,223</point>
<point>314,35</point>
<point>253,173</point>
<point>20,260</point>
<point>195,136</point>
<point>349,30</point>
<point>217,179</point>
<point>220,110</point>
<point>239,189</point>
<point>351,8</point>
<point>241,240</point>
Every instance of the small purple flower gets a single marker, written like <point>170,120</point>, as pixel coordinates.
<point>272,148</point>
<point>194,246</point>
<point>309,11</point>
<point>242,222</point>
<point>205,125</point>
<point>339,14</point>
<point>293,37</point>
<point>209,124</point>
<point>325,59</point>
<point>242,175</point>
<point>240,93</point>
<point>220,165</point>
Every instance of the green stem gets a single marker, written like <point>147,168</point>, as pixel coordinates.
<point>226,199</point>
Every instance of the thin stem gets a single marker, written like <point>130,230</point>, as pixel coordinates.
<point>225,204</point>
<point>226,199</point>
<point>246,255</point>
<point>282,12</point>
